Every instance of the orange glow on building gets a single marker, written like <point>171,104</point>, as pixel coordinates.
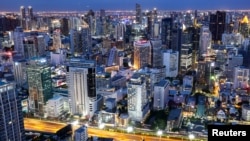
<point>245,20</point>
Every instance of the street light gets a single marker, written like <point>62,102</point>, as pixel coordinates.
<point>191,137</point>
<point>159,133</point>
<point>101,125</point>
<point>130,129</point>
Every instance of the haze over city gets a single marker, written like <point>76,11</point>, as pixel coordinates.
<point>75,5</point>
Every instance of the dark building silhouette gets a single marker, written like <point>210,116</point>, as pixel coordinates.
<point>217,25</point>
<point>166,31</point>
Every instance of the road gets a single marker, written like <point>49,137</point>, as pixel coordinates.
<point>125,136</point>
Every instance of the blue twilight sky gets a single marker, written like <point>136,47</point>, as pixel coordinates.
<point>82,5</point>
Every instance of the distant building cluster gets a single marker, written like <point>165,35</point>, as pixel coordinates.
<point>118,69</point>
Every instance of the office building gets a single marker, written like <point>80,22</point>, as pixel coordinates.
<point>81,80</point>
<point>161,92</point>
<point>142,54</point>
<point>18,40</point>
<point>170,61</point>
<point>217,25</point>
<point>166,32</point>
<point>11,116</point>
<point>138,11</point>
<point>156,56</point>
<point>40,86</point>
<point>138,105</point>
<point>205,41</point>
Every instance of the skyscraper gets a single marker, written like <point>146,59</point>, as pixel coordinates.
<point>142,54</point>
<point>40,86</point>
<point>137,98</point>
<point>82,87</point>
<point>138,13</point>
<point>23,17</point>
<point>11,116</point>
<point>217,25</point>
<point>18,40</point>
<point>30,13</point>
<point>166,32</point>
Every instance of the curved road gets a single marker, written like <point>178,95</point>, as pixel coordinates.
<point>125,136</point>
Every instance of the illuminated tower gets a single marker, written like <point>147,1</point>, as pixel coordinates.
<point>11,116</point>
<point>40,86</point>
<point>142,54</point>
<point>244,27</point>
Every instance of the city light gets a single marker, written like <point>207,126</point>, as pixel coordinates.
<point>191,136</point>
<point>130,129</point>
<point>101,126</point>
<point>159,133</point>
<point>74,123</point>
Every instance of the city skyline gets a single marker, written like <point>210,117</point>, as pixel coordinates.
<point>77,5</point>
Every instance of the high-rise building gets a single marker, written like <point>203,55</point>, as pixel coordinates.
<point>113,56</point>
<point>156,56</point>
<point>11,116</point>
<point>217,25</point>
<point>244,26</point>
<point>82,87</point>
<point>19,68</point>
<point>166,31</point>
<point>170,60</point>
<point>119,32</point>
<point>57,41</point>
<point>18,41</point>
<point>186,58</point>
<point>138,12</point>
<point>30,13</point>
<point>30,46</point>
<point>138,105</point>
<point>40,86</point>
<point>142,54</point>
<point>161,92</point>
<point>205,40</point>
<point>23,17</point>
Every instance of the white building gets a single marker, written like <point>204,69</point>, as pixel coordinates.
<point>161,92</point>
<point>56,106</point>
<point>19,68</point>
<point>138,105</point>
<point>205,40</point>
<point>81,87</point>
<point>57,58</point>
<point>81,134</point>
<point>241,77</point>
<point>246,112</point>
<point>170,61</point>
